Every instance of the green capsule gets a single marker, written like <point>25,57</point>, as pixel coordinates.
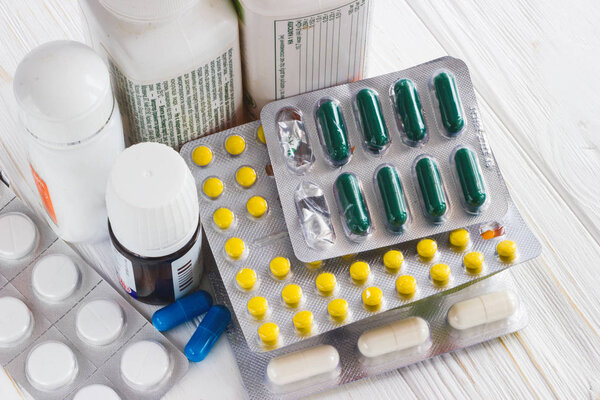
<point>470,177</point>
<point>371,118</point>
<point>352,204</point>
<point>430,182</point>
<point>390,189</point>
<point>449,102</point>
<point>333,130</point>
<point>408,106</point>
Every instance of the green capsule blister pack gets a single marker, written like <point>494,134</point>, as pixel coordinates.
<point>397,157</point>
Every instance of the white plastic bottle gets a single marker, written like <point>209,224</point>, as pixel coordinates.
<point>296,46</point>
<point>175,64</point>
<point>74,133</point>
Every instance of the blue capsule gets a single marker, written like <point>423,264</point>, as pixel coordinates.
<point>209,330</point>
<point>182,310</point>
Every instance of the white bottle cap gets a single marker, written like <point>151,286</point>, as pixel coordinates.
<point>63,88</point>
<point>151,200</point>
<point>145,10</point>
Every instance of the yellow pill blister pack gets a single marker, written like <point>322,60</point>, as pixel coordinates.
<point>278,300</point>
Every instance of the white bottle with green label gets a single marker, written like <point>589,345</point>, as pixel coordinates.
<point>296,46</point>
<point>175,65</point>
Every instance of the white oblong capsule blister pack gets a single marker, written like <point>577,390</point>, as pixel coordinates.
<point>385,342</point>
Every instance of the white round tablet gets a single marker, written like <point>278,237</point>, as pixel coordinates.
<point>16,321</point>
<point>18,236</point>
<point>145,365</point>
<point>100,322</point>
<point>55,277</point>
<point>51,365</point>
<point>96,392</point>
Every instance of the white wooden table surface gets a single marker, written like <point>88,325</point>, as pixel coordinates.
<point>535,65</point>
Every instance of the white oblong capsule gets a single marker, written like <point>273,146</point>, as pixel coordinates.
<point>484,309</point>
<point>303,364</point>
<point>400,335</point>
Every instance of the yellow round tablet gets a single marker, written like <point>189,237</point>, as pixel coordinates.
<point>245,176</point>
<point>269,333</point>
<point>440,274</point>
<point>473,262</point>
<point>280,267</point>
<point>372,297</point>
<point>314,264</point>
<point>212,187</point>
<point>257,307</point>
<point>260,135</point>
<point>303,322</point>
<point>256,206</point>
<point>223,218</point>
<point>291,295</point>
<point>246,278</point>
<point>406,285</point>
<point>338,309</point>
<point>348,257</point>
<point>427,248</point>
<point>234,248</point>
<point>326,283</point>
<point>235,145</point>
<point>202,156</point>
<point>507,250</point>
<point>393,260</point>
<point>459,238</point>
<point>359,271</point>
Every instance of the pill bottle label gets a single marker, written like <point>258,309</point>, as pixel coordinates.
<point>124,269</point>
<point>44,194</point>
<point>160,280</point>
<point>311,51</point>
<point>185,276</point>
<point>177,110</point>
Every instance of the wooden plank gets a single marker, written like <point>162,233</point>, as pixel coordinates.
<point>535,63</point>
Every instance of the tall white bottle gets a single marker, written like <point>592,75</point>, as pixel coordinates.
<point>175,64</point>
<point>74,134</point>
<point>296,46</point>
